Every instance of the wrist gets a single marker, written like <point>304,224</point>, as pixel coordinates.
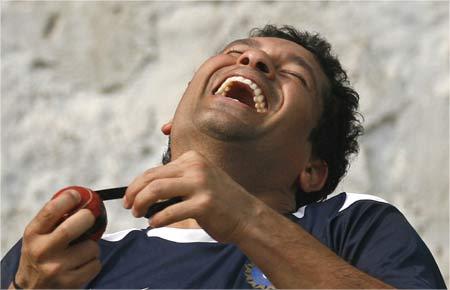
<point>251,221</point>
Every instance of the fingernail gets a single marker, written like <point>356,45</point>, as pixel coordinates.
<point>134,212</point>
<point>75,194</point>
<point>125,202</point>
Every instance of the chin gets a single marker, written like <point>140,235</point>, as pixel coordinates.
<point>225,130</point>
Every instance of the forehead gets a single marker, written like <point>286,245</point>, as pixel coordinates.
<point>271,43</point>
<point>276,47</point>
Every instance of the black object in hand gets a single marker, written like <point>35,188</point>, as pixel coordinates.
<point>119,192</point>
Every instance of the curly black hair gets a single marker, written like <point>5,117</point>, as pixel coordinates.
<point>334,139</point>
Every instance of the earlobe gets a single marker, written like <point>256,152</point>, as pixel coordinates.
<point>314,176</point>
<point>167,128</point>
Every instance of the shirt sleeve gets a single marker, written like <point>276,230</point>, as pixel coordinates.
<point>9,264</point>
<point>377,239</point>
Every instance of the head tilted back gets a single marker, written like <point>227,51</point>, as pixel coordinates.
<point>334,139</point>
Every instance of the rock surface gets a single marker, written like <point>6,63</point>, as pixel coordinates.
<point>86,86</point>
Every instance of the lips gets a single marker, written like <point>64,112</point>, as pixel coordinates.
<point>243,90</point>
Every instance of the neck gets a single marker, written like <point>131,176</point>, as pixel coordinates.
<point>266,178</point>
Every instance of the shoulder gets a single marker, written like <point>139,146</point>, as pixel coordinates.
<point>352,216</point>
<point>374,236</point>
<point>338,204</point>
<point>346,214</point>
<point>355,198</point>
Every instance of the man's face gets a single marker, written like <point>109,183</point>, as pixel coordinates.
<point>261,90</point>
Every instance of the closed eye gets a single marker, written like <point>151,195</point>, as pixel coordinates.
<point>234,52</point>
<point>296,75</point>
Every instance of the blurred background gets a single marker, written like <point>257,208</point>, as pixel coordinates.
<point>85,87</point>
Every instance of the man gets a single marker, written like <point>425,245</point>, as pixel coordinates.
<point>261,136</point>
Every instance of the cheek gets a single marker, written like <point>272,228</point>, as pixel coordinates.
<point>200,85</point>
<point>206,75</point>
<point>301,110</point>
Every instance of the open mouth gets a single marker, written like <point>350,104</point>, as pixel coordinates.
<point>245,91</point>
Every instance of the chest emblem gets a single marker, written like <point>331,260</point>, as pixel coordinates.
<point>256,278</point>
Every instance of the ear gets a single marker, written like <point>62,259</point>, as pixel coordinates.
<point>167,128</point>
<point>314,175</point>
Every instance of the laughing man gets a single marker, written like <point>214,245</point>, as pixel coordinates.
<point>261,136</point>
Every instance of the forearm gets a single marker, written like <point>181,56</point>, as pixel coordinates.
<point>292,258</point>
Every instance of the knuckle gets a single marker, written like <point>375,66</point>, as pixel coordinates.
<point>149,171</point>
<point>132,186</point>
<point>199,179</point>
<point>157,186</point>
<point>63,232</point>
<point>167,213</point>
<point>191,153</point>
<point>48,211</point>
<point>138,204</point>
<point>52,270</point>
<point>28,233</point>
<point>198,164</point>
<point>149,176</point>
<point>26,252</point>
<point>192,156</point>
<point>87,216</point>
<point>36,253</point>
<point>93,248</point>
<point>205,201</point>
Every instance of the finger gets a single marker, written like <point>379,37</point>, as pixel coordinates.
<point>163,171</point>
<point>191,155</point>
<point>174,213</point>
<point>82,275</point>
<point>80,254</point>
<point>52,213</point>
<point>73,227</point>
<point>167,128</point>
<point>159,189</point>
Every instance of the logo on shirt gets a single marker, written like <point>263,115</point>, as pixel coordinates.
<point>256,278</point>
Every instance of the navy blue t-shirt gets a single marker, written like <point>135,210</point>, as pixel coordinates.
<point>364,230</point>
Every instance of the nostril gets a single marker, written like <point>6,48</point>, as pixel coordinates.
<point>258,64</point>
<point>245,60</point>
<point>262,67</point>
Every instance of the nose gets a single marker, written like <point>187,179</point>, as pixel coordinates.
<point>258,60</point>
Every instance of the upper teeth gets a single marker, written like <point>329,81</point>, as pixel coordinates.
<point>258,98</point>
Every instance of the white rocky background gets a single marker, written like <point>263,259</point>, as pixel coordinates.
<point>85,87</point>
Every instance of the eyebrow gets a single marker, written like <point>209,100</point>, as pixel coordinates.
<point>298,60</point>
<point>301,62</point>
<point>247,41</point>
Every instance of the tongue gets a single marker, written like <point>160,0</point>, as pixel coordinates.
<point>241,93</point>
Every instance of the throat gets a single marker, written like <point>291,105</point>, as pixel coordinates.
<point>281,201</point>
<point>247,164</point>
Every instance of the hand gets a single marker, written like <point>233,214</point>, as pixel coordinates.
<point>219,205</point>
<point>48,260</point>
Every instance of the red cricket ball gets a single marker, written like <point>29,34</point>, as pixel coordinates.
<point>92,201</point>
